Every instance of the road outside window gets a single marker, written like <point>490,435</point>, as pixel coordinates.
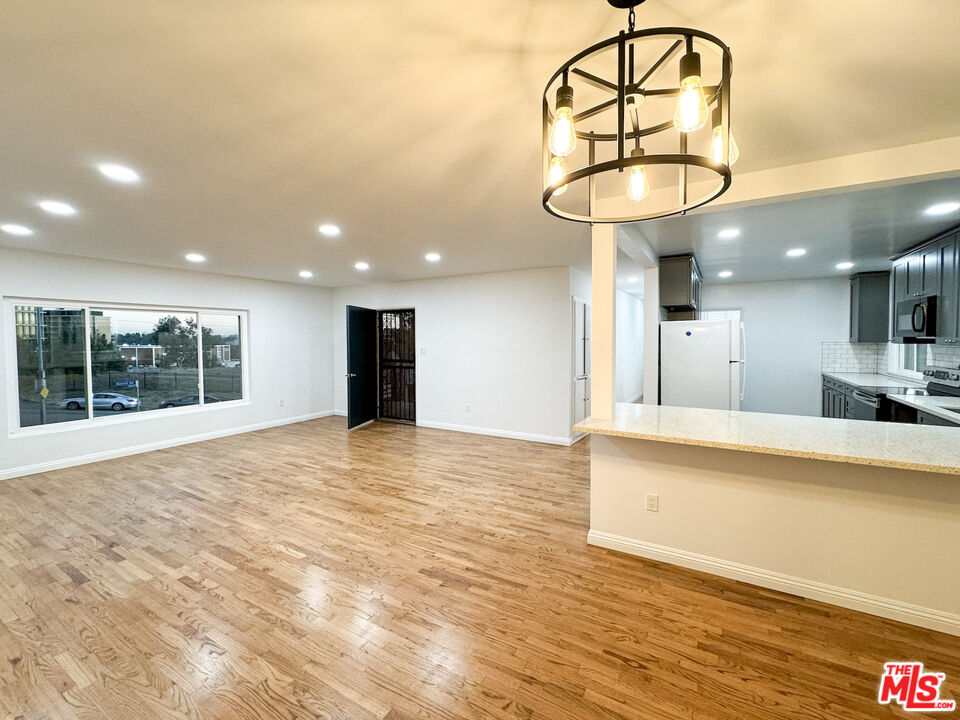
<point>140,361</point>
<point>51,363</point>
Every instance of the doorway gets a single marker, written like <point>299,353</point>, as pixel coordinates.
<point>381,366</point>
<point>398,365</point>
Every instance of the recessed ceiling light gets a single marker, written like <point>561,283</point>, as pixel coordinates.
<point>195,257</point>
<point>728,233</point>
<point>362,265</point>
<point>118,173</point>
<point>633,279</point>
<point>306,274</point>
<point>14,229</point>
<point>944,208</point>
<point>432,257</point>
<point>329,230</point>
<point>57,207</point>
<point>724,274</point>
<point>796,252</point>
<point>844,265</point>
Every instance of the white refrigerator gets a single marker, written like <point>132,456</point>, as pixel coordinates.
<point>702,363</point>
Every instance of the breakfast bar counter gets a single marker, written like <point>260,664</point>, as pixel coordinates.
<point>865,515</point>
<point>892,445</point>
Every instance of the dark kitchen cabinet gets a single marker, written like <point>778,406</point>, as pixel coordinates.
<point>928,419</point>
<point>680,286</point>
<point>837,399</point>
<point>917,274</point>
<point>930,269</point>
<point>869,296</point>
<point>948,310</point>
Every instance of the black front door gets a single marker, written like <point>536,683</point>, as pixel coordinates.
<point>361,365</point>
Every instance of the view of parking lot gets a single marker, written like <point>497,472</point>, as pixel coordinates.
<point>140,361</point>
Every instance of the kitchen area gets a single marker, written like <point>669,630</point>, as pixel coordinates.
<point>915,307</point>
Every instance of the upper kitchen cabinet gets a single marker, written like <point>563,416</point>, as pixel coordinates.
<point>869,320</point>
<point>917,273</point>
<point>948,313</point>
<point>680,286</point>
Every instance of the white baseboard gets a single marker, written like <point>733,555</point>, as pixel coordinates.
<point>512,434</point>
<point>577,437</point>
<point>149,447</point>
<point>844,597</point>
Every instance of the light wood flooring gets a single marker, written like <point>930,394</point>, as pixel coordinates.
<point>391,574</point>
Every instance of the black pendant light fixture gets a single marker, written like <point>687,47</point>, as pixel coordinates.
<point>637,126</point>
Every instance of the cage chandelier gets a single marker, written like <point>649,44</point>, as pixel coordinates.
<point>637,126</point>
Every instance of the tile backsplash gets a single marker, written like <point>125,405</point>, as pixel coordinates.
<point>853,357</point>
<point>874,357</point>
<point>943,355</point>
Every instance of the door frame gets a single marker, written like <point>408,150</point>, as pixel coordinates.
<point>416,366</point>
<point>416,341</point>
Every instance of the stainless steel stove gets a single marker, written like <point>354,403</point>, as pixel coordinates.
<point>943,381</point>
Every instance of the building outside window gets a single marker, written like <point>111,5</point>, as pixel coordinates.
<point>84,363</point>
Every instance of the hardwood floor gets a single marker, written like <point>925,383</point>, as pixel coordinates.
<point>394,573</point>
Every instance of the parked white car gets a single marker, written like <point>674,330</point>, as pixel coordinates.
<point>102,401</point>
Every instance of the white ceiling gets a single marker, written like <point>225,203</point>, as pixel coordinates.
<point>414,125</point>
<point>866,227</point>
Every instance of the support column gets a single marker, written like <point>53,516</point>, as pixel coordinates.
<point>603,338</point>
<point>651,336</point>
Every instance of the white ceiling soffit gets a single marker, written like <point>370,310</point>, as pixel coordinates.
<point>415,126</point>
<point>866,227</point>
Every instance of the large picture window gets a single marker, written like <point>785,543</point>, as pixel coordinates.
<point>85,363</point>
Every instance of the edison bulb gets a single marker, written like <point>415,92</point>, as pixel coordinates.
<point>563,136</point>
<point>717,147</point>
<point>692,110</point>
<point>557,171</point>
<point>638,187</point>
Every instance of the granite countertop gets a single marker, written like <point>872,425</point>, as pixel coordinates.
<point>873,380</point>
<point>931,404</point>
<point>895,445</point>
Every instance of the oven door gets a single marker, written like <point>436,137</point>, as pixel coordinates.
<point>916,320</point>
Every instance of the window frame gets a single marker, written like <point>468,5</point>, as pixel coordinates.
<point>895,363</point>
<point>8,327</point>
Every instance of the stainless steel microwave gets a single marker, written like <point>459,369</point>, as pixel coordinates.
<point>916,320</point>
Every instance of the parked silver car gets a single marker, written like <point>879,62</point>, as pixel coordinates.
<point>102,401</point>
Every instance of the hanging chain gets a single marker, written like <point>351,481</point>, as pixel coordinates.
<point>631,19</point>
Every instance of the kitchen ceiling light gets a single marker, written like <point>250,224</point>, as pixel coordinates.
<point>944,208</point>
<point>796,252</point>
<point>57,207</point>
<point>724,274</point>
<point>119,173</point>
<point>14,229</point>
<point>195,257</point>
<point>328,230</point>
<point>728,233</point>
<point>306,274</point>
<point>844,265</point>
<point>432,257</point>
<point>362,266</point>
<point>577,145</point>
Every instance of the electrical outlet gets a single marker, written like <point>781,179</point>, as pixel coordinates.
<point>423,351</point>
<point>283,402</point>
<point>466,408</point>
<point>653,502</point>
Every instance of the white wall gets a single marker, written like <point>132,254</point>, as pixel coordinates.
<point>831,531</point>
<point>500,342</point>
<point>288,353</point>
<point>785,322</point>
<point>629,347</point>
